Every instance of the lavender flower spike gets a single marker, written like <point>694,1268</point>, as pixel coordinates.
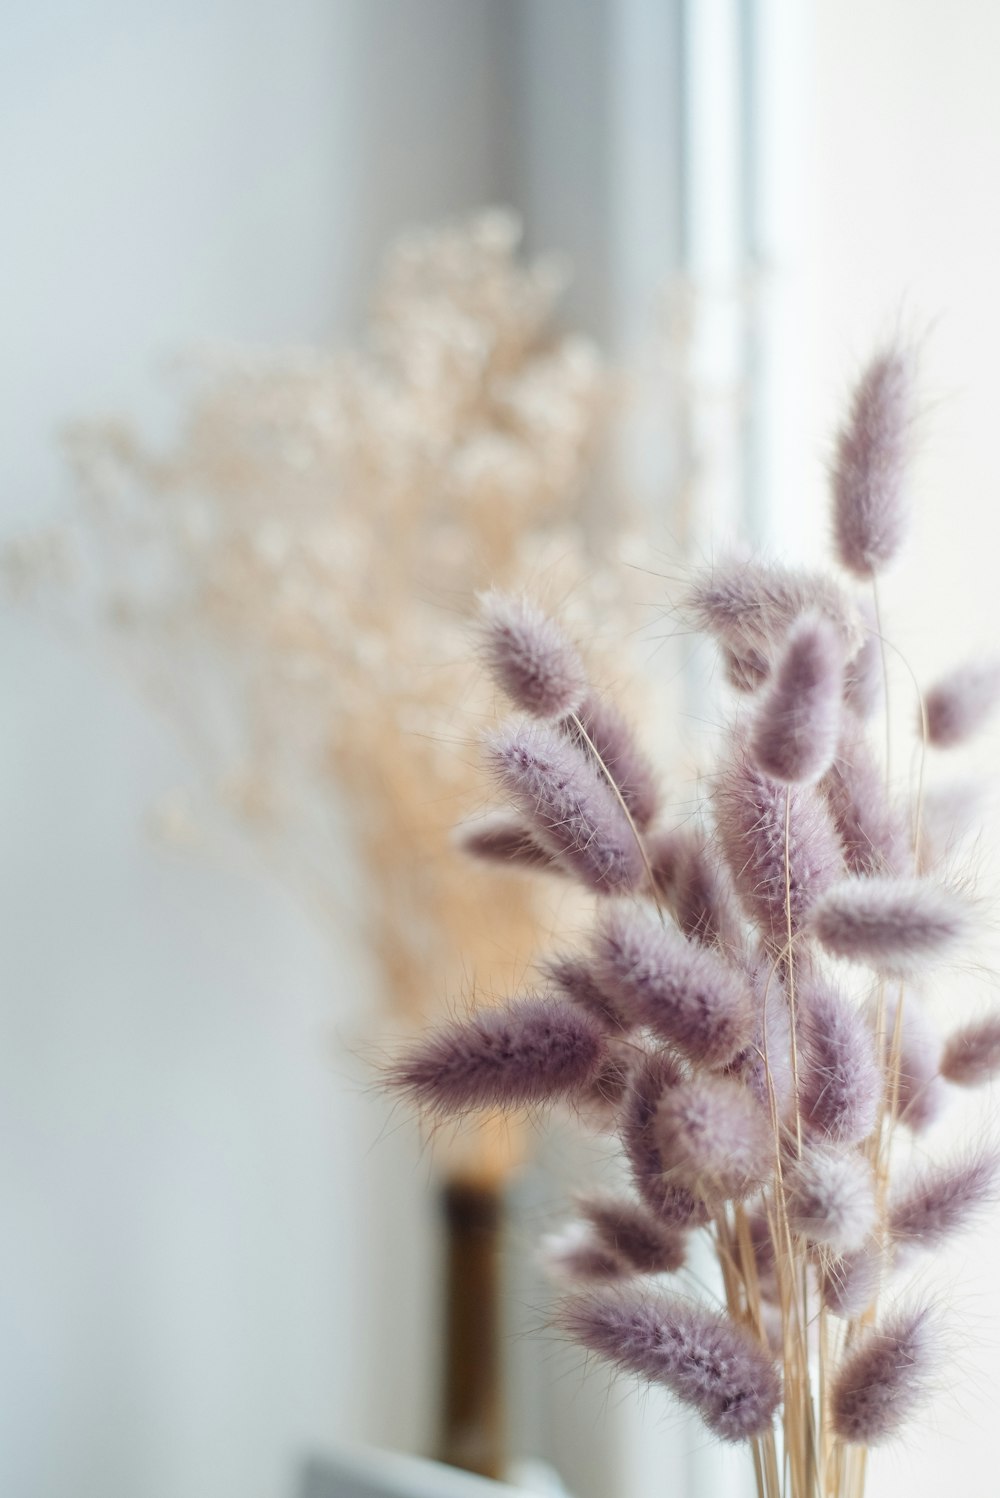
<point>529,657</point>
<point>707,1361</point>
<point>797,724</point>
<point>869,503</point>
<point>943,1199</point>
<point>687,994</point>
<point>895,925</point>
<point>572,809</point>
<point>959,705</point>
<point>972,1054</point>
<point>715,1138</point>
<point>840,1080</point>
<point>534,1051</point>
<point>830,1197</point>
<point>884,1379</point>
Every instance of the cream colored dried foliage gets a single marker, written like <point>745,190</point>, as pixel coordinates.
<point>294,573</point>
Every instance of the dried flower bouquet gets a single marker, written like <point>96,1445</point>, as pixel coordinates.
<point>746,1016</point>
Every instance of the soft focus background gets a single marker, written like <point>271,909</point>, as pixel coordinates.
<point>217,1254</point>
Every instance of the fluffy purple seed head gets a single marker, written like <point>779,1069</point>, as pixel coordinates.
<point>529,657</point>
<point>797,722</point>
<point>534,1051</point>
<point>569,805</point>
<point>714,1138</point>
<point>972,1055</point>
<point>576,1255</point>
<point>503,840</point>
<point>705,1360</point>
<point>840,1079</point>
<point>626,1228</point>
<point>673,1203</point>
<point>691,881</point>
<point>884,1379</point>
<point>849,1283</point>
<point>765,1067</point>
<point>830,1197</point>
<point>943,1199</point>
<point>919,1091</point>
<point>873,832</point>
<point>686,994</point>
<point>614,742</point>
<point>864,681</point>
<point>893,925</point>
<point>573,978</point>
<point>751,820</point>
<point>749,606</point>
<point>870,512</point>
<point>956,707</point>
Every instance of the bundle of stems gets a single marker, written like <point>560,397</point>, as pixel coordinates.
<point>746,1020</point>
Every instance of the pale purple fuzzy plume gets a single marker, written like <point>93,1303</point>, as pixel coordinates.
<point>707,1361</point>
<point>644,1243</point>
<point>765,1067</point>
<point>797,722</point>
<point>941,1200</point>
<point>870,509</point>
<point>748,607</point>
<point>502,840</point>
<point>917,1088</point>
<point>750,813</point>
<point>576,1255</point>
<point>529,656</point>
<point>840,1079</point>
<point>971,1055</point>
<point>534,1051</point>
<point>670,1201</point>
<point>830,1196</point>
<point>893,925</point>
<point>715,1138</point>
<point>961,703</point>
<point>885,1379</point>
<point>571,808</point>
<point>696,888</point>
<point>848,1283</point>
<point>864,678</point>
<point>874,833</point>
<point>610,737</point>
<point>686,994</point>
<point>573,978</point>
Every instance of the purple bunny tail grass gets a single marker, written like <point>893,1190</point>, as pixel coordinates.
<point>752,813</point>
<point>606,733</point>
<point>529,657</point>
<point>971,1055</point>
<point>503,840</point>
<point>695,887</point>
<point>749,606</point>
<point>673,1203</point>
<point>830,1197</point>
<point>765,1067</point>
<point>873,833</point>
<point>576,1255</point>
<point>870,512</point>
<point>961,703</point>
<point>573,978</point>
<point>627,1229</point>
<point>714,1138</point>
<point>684,993</point>
<point>797,722</point>
<point>849,1283</point>
<point>572,810</point>
<point>893,925</point>
<point>944,1199</point>
<point>950,815</point>
<point>706,1361</point>
<point>534,1051</point>
<point>601,1101</point>
<point>864,679</point>
<point>917,1087</point>
<point>885,1379</point>
<point>840,1079</point>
